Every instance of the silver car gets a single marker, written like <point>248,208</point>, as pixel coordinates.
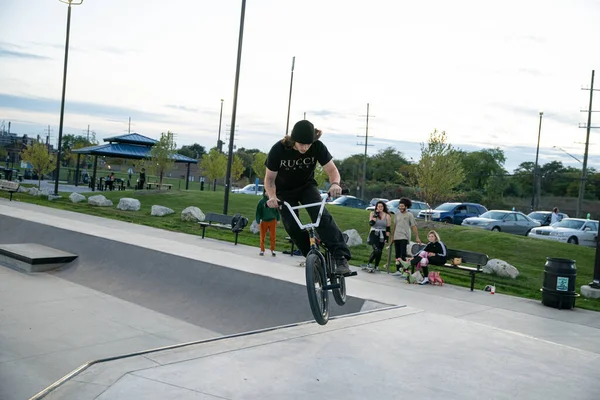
<point>570,230</point>
<point>502,221</point>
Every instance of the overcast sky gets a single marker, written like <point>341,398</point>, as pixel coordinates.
<point>479,70</point>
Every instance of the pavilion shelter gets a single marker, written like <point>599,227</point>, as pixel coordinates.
<point>131,146</point>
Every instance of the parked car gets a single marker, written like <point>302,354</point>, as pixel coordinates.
<point>570,230</point>
<point>250,189</point>
<point>349,201</point>
<point>416,207</point>
<point>453,213</point>
<point>502,221</point>
<point>374,201</point>
<point>544,217</point>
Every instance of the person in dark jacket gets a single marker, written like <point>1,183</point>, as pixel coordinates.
<point>268,218</point>
<point>434,253</point>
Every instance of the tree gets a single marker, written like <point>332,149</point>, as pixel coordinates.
<point>439,171</point>
<point>195,151</point>
<point>320,176</point>
<point>3,154</point>
<point>258,165</point>
<point>385,165</point>
<point>214,165</point>
<point>161,156</point>
<point>480,165</point>
<point>237,167</point>
<point>41,161</point>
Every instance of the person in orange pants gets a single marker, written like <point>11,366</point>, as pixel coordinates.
<point>268,219</point>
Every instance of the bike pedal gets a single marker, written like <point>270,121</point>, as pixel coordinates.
<point>353,273</point>
<point>330,287</point>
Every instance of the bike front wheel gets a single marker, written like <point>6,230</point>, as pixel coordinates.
<point>316,280</point>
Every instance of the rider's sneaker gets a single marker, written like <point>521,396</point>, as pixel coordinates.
<point>397,273</point>
<point>342,267</point>
<point>366,267</point>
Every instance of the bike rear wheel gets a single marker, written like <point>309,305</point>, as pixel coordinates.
<point>316,280</point>
<point>339,294</point>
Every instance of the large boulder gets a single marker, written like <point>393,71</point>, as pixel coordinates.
<point>161,211</point>
<point>192,214</point>
<point>354,238</point>
<point>22,189</point>
<point>34,191</point>
<point>76,197</point>
<point>500,268</point>
<point>53,197</point>
<point>100,201</point>
<point>255,227</point>
<point>128,204</point>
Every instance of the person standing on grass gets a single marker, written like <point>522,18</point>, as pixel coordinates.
<point>379,234</point>
<point>404,222</point>
<point>142,179</point>
<point>268,218</point>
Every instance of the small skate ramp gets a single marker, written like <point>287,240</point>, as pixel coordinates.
<point>214,297</point>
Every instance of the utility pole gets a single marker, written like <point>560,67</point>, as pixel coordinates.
<point>129,127</point>
<point>88,134</point>
<point>366,144</point>
<point>48,139</point>
<point>588,126</point>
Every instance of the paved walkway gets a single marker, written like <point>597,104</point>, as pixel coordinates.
<point>445,343</point>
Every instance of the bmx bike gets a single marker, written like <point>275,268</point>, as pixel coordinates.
<point>320,266</point>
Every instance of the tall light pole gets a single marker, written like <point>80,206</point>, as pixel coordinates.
<point>535,168</point>
<point>219,143</point>
<point>64,89</point>
<point>234,110</point>
<point>287,124</point>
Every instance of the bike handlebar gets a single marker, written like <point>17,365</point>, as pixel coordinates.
<point>292,209</point>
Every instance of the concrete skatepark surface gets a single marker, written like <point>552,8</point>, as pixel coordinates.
<point>471,345</point>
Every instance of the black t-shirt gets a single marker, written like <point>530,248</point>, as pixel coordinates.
<point>294,168</point>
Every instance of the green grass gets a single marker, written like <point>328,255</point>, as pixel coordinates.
<point>528,255</point>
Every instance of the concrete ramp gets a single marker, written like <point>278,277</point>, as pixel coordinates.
<point>396,353</point>
<point>214,297</point>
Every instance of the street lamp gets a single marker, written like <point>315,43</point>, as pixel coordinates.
<point>535,168</point>
<point>219,143</point>
<point>64,88</point>
<point>569,154</point>
<point>234,109</point>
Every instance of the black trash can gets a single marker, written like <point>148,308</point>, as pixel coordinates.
<point>558,290</point>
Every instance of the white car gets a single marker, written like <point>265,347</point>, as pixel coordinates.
<point>250,189</point>
<point>417,206</point>
<point>570,230</point>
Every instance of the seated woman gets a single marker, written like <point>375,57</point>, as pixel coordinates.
<point>434,253</point>
<point>380,221</point>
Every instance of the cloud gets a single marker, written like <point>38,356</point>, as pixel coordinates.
<point>529,111</point>
<point>8,50</point>
<point>18,54</point>
<point>182,108</point>
<point>77,107</point>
